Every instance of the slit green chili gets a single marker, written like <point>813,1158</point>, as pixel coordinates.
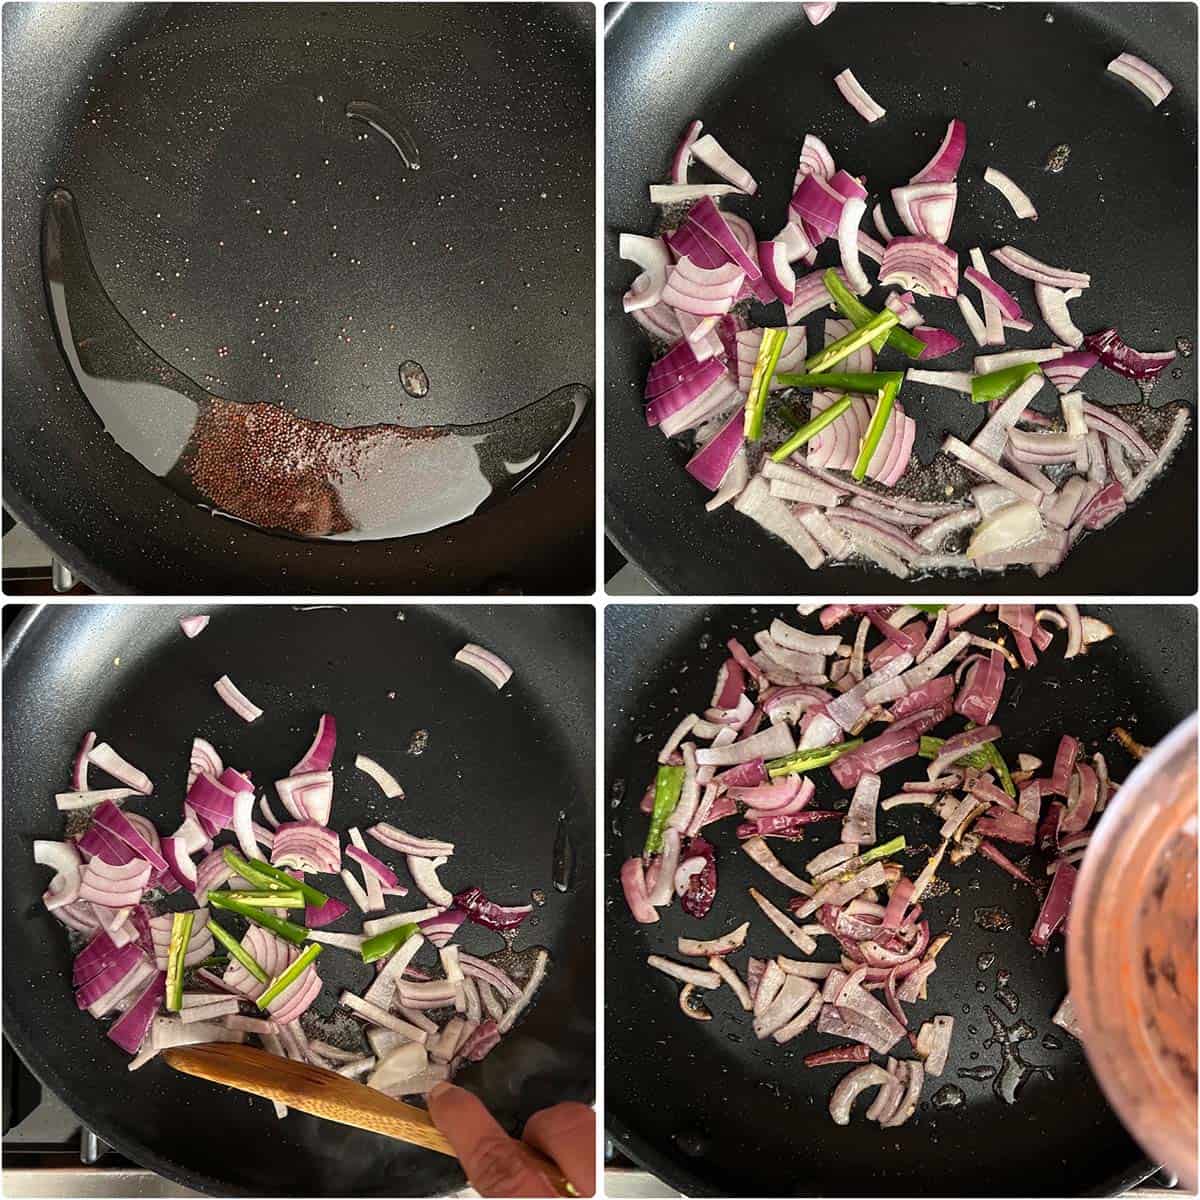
<point>997,760</point>
<point>999,384</point>
<point>977,759</point>
<point>853,309</point>
<point>877,852</point>
<point>279,899</point>
<point>668,784</point>
<point>810,429</point>
<point>386,943</point>
<point>875,428</point>
<point>238,951</point>
<point>809,760</point>
<point>181,935</point>
<point>287,930</point>
<point>270,878</point>
<point>769,350</point>
<point>285,979</point>
<point>833,381</point>
<point>856,339</point>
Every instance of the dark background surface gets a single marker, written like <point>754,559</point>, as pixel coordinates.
<point>498,769</point>
<point>711,1110</point>
<point>179,128</point>
<point>1124,210</point>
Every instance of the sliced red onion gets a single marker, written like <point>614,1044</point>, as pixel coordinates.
<point>130,1029</point>
<point>713,155</point>
<point>851,217</point>
<point>79,765</point>
<point>938,342</point>
<point>1066,372</point>
<point>424,875</point>
<point>203,760</point>
<point>816,13</point>
<point>851,1085</point>
<point>319,755</point>
<point>1153,84</point>
<point>489,665</point>
<point>927,209</point>
<point>387,783</point>
<point>332,910</point>
<point>1055,907</point>
<point>379,869</point>
<point>858,827</point>
<point>989,469</point>
<point>407,844</point>
<point>815,159</point>
<point>959,381</point>
<point>74,801</point>
<point>1020,263</point>
<point>651,254</point>
<point>920,265</point>
<point>114,886</point>
<point>710,464</point>
<point>943,166</point>
<point>703,291</point>
<point>243,824</point>
<point>953,748</point>
<point>308,847</point>
<point>64,859</point>
<point>228,691</point>
<point>818,203</point>
<point>194,625</point>
<point>1018,201</point>
<point>1004,301</point>
<point>212,803</point>
<point>682,158</point>
<point>1052,303</point>
<point>308,797</point>
<point>682,193</point>
<point>660,321</point>
<point>109,761</point>
<point>179,862</point>
<point>777,270</point>
<point>440,929</point>
<point>1116,355</point>
<point>856,96</point>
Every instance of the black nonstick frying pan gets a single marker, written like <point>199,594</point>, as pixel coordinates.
<point>273,249</point>
<point>497,771</point>
<point>713,1111</point>
<point>1025,78</point>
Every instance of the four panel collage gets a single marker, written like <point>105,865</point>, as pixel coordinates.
<point>666,533</point>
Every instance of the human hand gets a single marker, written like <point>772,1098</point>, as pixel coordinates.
<point>500,1166</point>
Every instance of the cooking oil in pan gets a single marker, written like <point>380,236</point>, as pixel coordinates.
<point>389,127</point>
<point>258,462</point>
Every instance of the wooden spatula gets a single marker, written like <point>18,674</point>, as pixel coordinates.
<point>326,1094</point>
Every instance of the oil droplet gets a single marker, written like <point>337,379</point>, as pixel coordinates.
<point>257,462</point>
<point>413,378</point>
<point>979,1073</point>
<point>948,1096</point>
<point>390,127</point>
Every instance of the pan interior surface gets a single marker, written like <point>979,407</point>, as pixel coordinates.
<point>496,771</point>
<point>266,240</point>
<point>760,77</point>
<point>711,1110</point>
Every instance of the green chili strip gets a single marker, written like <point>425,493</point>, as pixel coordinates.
<point>668,783</point>
<point>932,609</point>
<point>769,350</point>
<point>810,430</point>
<point>997,761</point>
<point>284,980</point>
<point>853,309</point>
<point>270,878</point>
<point>809,760</point>
<point>999,384</point>
<point>832,381</point>
<point>876,852</point>
<point>856,339</point>
<point>874,434</point>
<point>977,759</point>
<point>279,899</point>
<point>181,935</point>
<point>383,944</point>
<point>238,951</point>
<point>287,930</point>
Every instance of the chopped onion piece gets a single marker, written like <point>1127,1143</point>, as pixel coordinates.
<point>857,97</point>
